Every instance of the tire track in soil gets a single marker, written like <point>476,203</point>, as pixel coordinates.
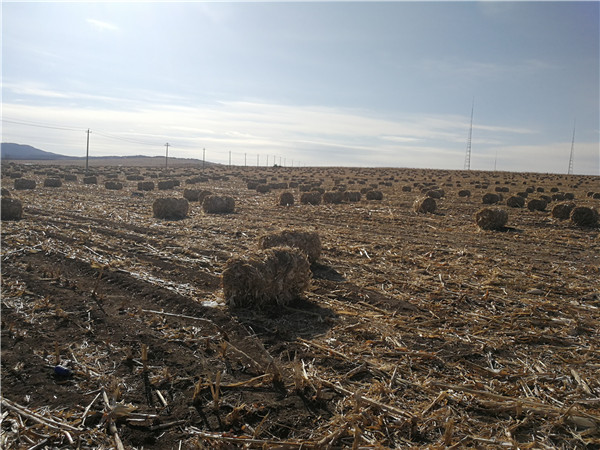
<point>113,327</point>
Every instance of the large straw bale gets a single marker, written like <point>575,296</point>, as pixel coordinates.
<point>70,177</point>
<point>286,199</point>
<point>424,205</point>
<point>311,198</point>
<point>352,196</point>
<point>584,216</point>
<point>333,197</point>
<point>196,195</point>
<point>562,211</point>
<point>491,218</point>
<point>165,185</point>
<point>90,180</point>
<point>52,182</point>
<point>12,208</point>
<point>22,183</point>
<point>537,204</point>
<point>170,208</point>
<point>215,204</point>
<point>270,277</point>
<point>374,195</point>
<point>464,193</point>
<point>490,198</point>
<point>515,201</point>
<point>145,186</point>
<point>5,192</point>
<point>307,241</point>
<point>113,185</point>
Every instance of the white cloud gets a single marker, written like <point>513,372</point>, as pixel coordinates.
<point>101,25</point>
<point>314,135</point>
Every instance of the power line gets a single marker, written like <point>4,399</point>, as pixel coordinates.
<point>39,125</point>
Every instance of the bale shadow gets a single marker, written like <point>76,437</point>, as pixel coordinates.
<point>325,272</point>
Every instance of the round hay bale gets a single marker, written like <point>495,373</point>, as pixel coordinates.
<point>424,205</point>
<point>333,197</point>
<point>374,195</point>
<point>491,198</point>
<point>286,199</point>
<point>145,186</point>
<point>596,195</point>
<point>584,216</point>
<point>310,198</point>
<point>165,185</point>
<point>271,277</point>
<point>5,192</point>
<point>537,204</point>
<point>263,188</point>
<point>569,196</point>
<point>558,197</point>
<point>352,196</point>
<point>307,241</point>
<point>90,180</point>
<point>12,209</point>
<point>515,201</point>
<point>406,189</point>
<point>195,195</point>
<point>562,211</point>
<point>491,218</point>
<point>113,185</point>
<point>170,208</point>
<point>435,193</point>
<point>22,183</point>
<point>464,193</point>
<point>215,204</point>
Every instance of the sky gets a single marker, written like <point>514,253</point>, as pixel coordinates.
<point>362,84</point>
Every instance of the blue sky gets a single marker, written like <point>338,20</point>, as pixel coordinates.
<point>319,83</point>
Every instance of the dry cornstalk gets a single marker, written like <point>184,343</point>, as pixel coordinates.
<point>50,423</point>
<point>250,441</point>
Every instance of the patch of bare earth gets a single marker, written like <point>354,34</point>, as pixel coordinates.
<point>418,330</point>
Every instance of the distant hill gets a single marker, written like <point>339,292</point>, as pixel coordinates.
<point>18,151</point>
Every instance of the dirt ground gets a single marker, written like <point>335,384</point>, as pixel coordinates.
<point>418,330</point>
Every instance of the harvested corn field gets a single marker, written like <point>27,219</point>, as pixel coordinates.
<point>416,330</point>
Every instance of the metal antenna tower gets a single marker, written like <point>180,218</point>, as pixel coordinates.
<point>468,155</point>
<point>570,171</point>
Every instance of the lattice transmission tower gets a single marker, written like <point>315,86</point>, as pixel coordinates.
<point>468,155</point>
<point>570,171</point>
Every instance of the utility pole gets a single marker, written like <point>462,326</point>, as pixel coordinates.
<point>230,159</point>
<point>468,155</point>
<point>570,171</point>
<point>87,150</point>
<point>257,159</point>
<point>245,160</point>
<point>203,159</point>
<point>267,160</point>
<point>167,155</point>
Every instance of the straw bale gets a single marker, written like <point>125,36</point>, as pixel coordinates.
<point>12,208</point>
<point>334,197</point>
<point>374,195</point>
<point>311,198</point>
<point>435,193</point>
<point>491,198</point>
<point>352,196</point>
<point>145,186</point>
<point>170,208</point>
<point>424,205</point>
<point>286,199</point>
<point>491,218</point>
<point>464,193</point>
<point>165,185</point>
<point>516,201</point>
<point>70,177</point>
<point>562,211</point>
<point>307,241</point>
<point>270,277</point>
<point>596,195</point>
<point>569,196</point>
<point>90,180</point>
<point>134,177</point>
<point>584,216</point>
<point>263,188</point>
<point>5,192</point>
<point>537,204</point>
<point>113,185</point>
<point>215,204</point>
<point>406,189</point>
<point>195,195</point>
<point>22,183</point>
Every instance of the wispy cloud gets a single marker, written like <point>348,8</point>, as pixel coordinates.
<point>101,25</point>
